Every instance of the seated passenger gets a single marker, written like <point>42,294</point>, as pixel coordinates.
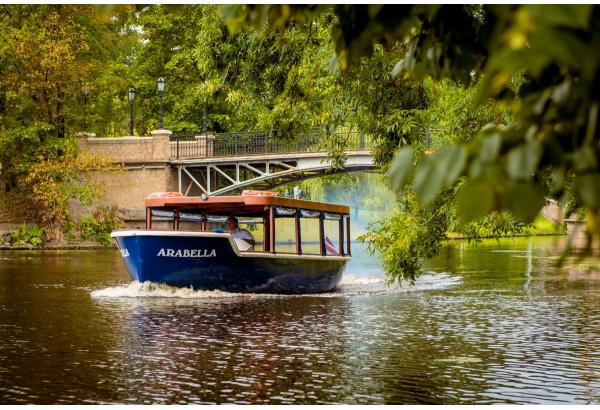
<point>237,233</point>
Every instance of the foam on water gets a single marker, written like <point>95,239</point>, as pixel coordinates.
<point>137,289</point>
<point>350,285</point>
<point>357,280</point>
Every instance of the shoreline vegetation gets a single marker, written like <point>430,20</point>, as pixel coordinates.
<point>17,213</point>
<point>540,227</point>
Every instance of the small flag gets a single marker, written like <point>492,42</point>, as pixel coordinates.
<point>329,246</point>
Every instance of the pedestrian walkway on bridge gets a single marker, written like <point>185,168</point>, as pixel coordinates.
<point>235,144</point>
<point>218,164</point>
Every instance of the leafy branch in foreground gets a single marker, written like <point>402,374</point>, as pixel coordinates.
<point>526,59</point>
<point>415,233</point>
<point>408,238</point>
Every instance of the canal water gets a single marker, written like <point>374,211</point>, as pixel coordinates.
<point>489,324</point>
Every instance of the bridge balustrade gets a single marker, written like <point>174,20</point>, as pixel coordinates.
<point>260,143</point>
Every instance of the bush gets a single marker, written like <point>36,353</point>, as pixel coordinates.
<point>24,235</point>
<point>97,227</point>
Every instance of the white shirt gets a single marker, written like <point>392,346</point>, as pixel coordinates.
<point>242,234</point>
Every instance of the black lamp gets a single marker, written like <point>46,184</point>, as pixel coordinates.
<point>161,89</point>
<point>131,98</point>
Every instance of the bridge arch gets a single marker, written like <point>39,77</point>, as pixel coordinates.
<point>218,176</point>
<point>215,165</point>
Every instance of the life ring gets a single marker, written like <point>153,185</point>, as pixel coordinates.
<point>165,195</point>
<point>250,192</point>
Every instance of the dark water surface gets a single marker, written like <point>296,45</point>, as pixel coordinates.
<point>491,324</point>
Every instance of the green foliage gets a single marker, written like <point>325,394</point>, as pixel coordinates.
<point>554,123</point>
<point>491,106</point>
<point>248,80</point>
<point>406,239</point>
<point>532,85</point>
<point>54,179</point>
<point>491,225</point>
<point>28,235</point>
<point>543,226</point>
<point>97,227</point>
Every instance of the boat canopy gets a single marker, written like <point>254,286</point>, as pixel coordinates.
<point>242,205</point>
<point>251,209</point>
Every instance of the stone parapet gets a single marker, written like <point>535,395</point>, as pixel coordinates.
<point>128,149</point>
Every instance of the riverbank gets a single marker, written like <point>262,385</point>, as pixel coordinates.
<point>540,227</point>
<point>59,246</point>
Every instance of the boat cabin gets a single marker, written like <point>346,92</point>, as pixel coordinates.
<point>279,225</point>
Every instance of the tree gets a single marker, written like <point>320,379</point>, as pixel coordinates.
<point>249,80</point>
<point>47,53</point>
<point>52,183</point>
<point>527,59</point>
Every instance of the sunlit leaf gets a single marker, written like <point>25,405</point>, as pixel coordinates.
<point>401,169</point>
<point>474,200</point>
<point>490,148</point>
<point>525,200</point>
<point>451,162</point>
<point>429,179</point>
<point>523,160</point>
<point>397,68</point>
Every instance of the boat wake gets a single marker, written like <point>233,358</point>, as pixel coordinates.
<point>137,289</point>
<point>351,285</point>
<point>352,280</point>
<point>356,285</point>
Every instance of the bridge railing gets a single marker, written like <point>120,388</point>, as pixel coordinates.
<point>260,143</point>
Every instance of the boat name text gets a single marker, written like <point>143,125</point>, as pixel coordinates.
<point>187,253</point>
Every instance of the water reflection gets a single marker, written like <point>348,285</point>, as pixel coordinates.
<point>231,350</point>
<point>495,324</point>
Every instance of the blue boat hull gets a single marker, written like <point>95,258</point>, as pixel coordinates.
<point>208,261</point>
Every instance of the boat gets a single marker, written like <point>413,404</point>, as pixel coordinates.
<point>302,246</point>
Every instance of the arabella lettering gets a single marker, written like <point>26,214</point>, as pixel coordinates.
<point>187,253</point>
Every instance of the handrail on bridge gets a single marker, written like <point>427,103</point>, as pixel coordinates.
<point>260,142</point>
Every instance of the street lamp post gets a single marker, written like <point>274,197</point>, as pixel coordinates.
<point>204,130</point>
<point>85,91</point>
<point>131,98</point>
<point>161,89</point>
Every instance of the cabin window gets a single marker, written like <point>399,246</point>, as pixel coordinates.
<point>311,240</point>
<point>310,236</point>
